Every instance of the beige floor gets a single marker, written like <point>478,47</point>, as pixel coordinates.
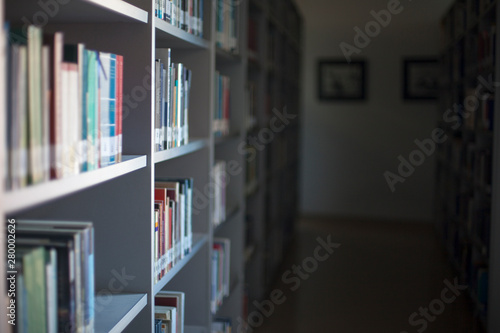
<point>380,275</point>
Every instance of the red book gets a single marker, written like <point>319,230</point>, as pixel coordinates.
<point>119,107</point>
<point>171,228</point>
<point>161,237</point>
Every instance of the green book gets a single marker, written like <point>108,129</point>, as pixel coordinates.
<point>34,279</point>
<point>92,111</point>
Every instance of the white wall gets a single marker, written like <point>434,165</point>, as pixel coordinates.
<point>347,147</point>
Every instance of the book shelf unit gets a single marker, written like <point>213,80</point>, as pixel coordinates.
<point>467,177</point>
<point>273,71</point>
<point>119,199</point>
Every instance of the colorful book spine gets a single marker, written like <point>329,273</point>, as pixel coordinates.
<point>65,109</point>
<point>183,14</point>
<point>172,95</point>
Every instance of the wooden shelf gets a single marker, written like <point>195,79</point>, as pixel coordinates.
<point>31,196</point>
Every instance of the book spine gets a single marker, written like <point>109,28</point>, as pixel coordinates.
<point>35,167</point>
<point>92,110</point>
<point>200,17</point>
<point>168,93</point>
<point>56,109</point>
<point>182,15</point>
<point>180,71</point>
<point>104,105</point>
<point>119,107</point>
<point>174,13</point>
<point>162,106</point>
<point>113,149</point>
<point>196,16</point>
<point>157,105</point>
<point>74,132</point>
<point>175,108</point>
<point>83,90</point>
<point>45,113</point>
<point>168,12</point>
<point>190,16</point>
<point>187,85</point>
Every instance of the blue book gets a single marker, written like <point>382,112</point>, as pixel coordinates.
<point>112,110</point>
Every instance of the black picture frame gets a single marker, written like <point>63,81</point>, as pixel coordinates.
<point>339,80</point>
<point>420,78</point>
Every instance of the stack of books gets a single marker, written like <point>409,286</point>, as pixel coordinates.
<point>222,107</point>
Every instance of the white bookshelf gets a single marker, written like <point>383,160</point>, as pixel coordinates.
<point>119,199</point>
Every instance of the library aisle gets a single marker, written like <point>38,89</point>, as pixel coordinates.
<point>373,282</point>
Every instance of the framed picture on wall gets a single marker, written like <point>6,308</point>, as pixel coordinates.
<point>420,78</point>
<point>340,80</point>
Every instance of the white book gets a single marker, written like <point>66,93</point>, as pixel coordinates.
<point>46,113</point>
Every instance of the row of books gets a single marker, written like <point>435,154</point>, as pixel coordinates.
<point>172,90</point>
<point>169,312</point>
<point>476,218</point>
<point>222,107</point>
<point>220,272</point>
<point>486,47</point>
<point>184,14</point>
<point>480,118</point>
<point>470,160</point>
<point>172,223</point>
<point>475,8</point>
<point>64,108</point>
<point>219,175</point>
<point>221,325</point>
<point>480,49</point>
<point>471,262</point>
<point>55,276</point>
<point>463,15</point>
<point>226,25</point>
